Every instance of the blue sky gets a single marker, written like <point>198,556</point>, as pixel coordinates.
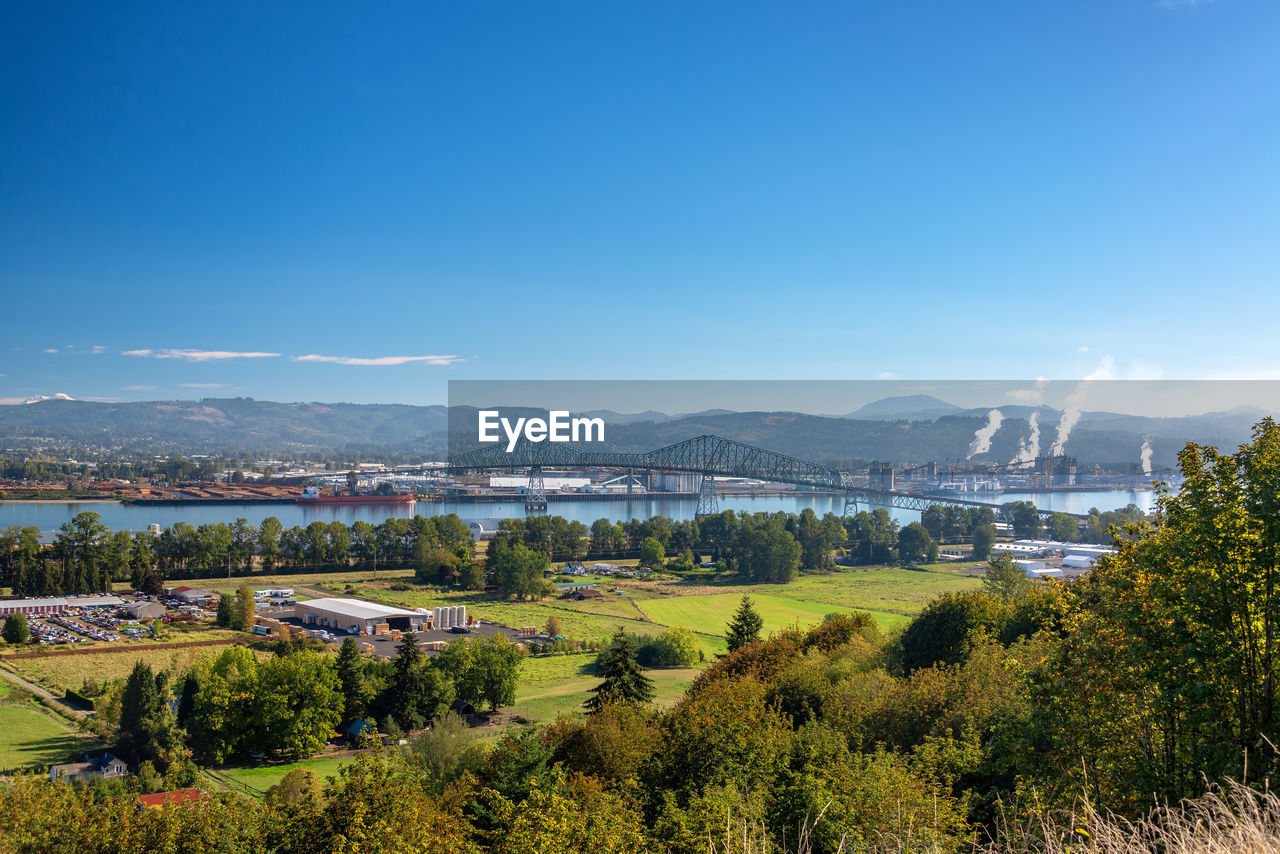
<point>925,189</point>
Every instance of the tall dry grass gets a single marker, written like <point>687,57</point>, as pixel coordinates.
<point>1229,819</point>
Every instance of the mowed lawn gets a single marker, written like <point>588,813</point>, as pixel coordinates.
<point>561,683</point>
<point>711,614</point>
<point>30,736</point>
<point>263,777</point>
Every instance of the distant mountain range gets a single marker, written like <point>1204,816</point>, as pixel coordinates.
<point>228,425</point>
<point>910,429</point>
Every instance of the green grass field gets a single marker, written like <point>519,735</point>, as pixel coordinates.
<point>263,777</point>
<point>710,614</point>
<point>31,736</point>
<point>890,589</point>
<point>560,683</point>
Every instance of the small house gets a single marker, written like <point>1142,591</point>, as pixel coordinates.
<point>106,766</point>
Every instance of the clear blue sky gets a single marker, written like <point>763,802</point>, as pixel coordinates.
<point>928,189</point>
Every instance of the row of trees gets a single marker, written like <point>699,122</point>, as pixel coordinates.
<point>86,556</point>
<point>768,547</point>
<point>290,701</point>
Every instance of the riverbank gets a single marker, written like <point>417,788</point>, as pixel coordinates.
<point>60,497</point>
<point>117,515</point>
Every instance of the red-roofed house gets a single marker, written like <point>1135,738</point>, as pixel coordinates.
<point>177,796</point>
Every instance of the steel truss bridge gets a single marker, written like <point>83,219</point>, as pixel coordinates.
<point>709,456</point>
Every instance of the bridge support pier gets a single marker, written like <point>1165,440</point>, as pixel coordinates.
<point>850,504</point>
<point>708,500</point>
<point>535,497</point>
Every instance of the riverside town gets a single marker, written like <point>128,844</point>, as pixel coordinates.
<point>938,508</point>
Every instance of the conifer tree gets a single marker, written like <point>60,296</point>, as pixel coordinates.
<point>351,675</point>
<point>746,625</point>
<point>624,679</point>
<point>226,612</point>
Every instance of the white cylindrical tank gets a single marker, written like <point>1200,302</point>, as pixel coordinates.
<point>462,615</point>
<point>446,616</point>
<point>453,615</point>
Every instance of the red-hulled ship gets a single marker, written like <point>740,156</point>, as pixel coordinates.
<point>311,495</point>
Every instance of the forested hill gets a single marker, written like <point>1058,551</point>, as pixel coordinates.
<point>244,425</point>
<point>229,425</point>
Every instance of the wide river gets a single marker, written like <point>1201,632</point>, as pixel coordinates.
<point>48,515</point>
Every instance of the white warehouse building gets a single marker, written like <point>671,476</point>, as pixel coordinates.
<point>354,616</point>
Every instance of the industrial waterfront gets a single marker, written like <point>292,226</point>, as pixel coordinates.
<point>48,515</point>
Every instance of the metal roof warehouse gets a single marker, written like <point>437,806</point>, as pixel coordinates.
<point>353,614</point>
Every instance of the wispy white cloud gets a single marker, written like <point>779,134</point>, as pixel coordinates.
<point>202,385</point>
<point>200,355</point>
<point>1033,395</point>
<point>380,360</point>
<point>138,388</point>
<point>51,349</point>
<point>886,375</point>
<point>98,349</point>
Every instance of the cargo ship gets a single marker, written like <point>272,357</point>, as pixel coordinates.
<point>311,495</point>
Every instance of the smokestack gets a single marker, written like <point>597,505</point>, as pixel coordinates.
<point>982,438</point>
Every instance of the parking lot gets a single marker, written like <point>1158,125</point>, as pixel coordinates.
<point>107,620</point>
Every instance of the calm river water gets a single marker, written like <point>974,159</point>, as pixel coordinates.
<point>48,515</point>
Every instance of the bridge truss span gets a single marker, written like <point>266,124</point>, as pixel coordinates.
<point>709,456</point>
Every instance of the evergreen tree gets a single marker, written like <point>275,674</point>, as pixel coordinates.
<point>746,625</point>
<point>417,693</point>
<point>624,679</point>
<point>138,705</point>
<point>351,675</point>
<point>226,612</point>
<point>148,731</point>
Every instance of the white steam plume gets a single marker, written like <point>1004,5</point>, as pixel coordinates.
<point>1146,455</point>
<point>982,438</point>
<point>1071,413</point>
<point>1029,448</point>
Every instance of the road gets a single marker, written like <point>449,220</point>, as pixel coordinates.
<point>75,713</point>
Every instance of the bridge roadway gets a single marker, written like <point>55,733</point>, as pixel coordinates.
<point>709,456</point>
